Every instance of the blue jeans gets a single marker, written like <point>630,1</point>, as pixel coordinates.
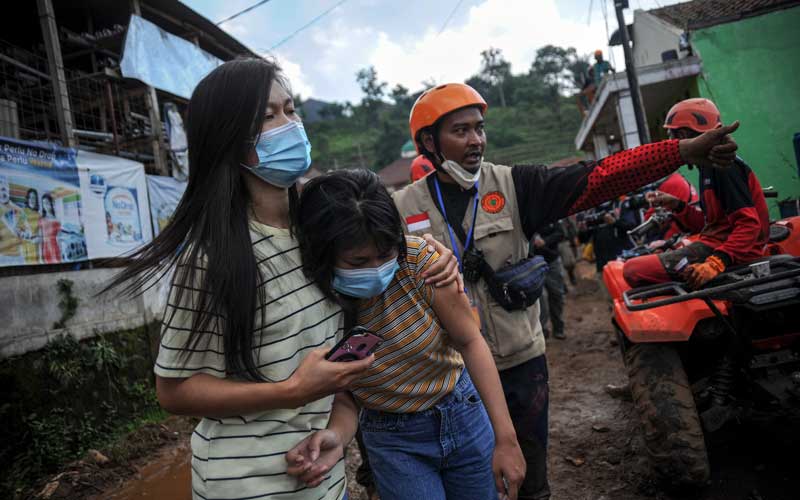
<point>444,452</point>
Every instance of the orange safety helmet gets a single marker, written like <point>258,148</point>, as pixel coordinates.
<point>698,114</point>
<point>420,168</point>
<point>436,102</point>
<point>598,52</point>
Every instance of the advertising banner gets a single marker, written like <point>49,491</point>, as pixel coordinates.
<point>61,205</point>
<point>116,204</point>
<point>165,194</point>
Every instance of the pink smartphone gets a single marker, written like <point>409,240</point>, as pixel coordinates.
<point>358,343</point>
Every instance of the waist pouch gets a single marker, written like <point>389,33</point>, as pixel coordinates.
<point>516,286</point>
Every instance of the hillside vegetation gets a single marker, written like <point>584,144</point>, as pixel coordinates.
<point>530,118</point>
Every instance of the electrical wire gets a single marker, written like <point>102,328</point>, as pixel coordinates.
<point>248,9</point>
<point>589,17</point>
<point>447,21</point>
<point>301,28</point>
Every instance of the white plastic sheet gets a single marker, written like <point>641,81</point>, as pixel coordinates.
<point>163,60</point>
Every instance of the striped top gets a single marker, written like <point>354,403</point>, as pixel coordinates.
<point>416,365</point>
<point>243,456</point>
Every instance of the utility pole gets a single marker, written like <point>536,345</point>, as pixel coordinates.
<point>630,71</point>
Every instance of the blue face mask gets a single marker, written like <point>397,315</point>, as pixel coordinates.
<point>284,155</point>
<point>364,282</point>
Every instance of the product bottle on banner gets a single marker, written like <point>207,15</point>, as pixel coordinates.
<point>122,215</point>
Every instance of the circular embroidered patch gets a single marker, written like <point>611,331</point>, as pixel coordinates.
<point>493,202</point>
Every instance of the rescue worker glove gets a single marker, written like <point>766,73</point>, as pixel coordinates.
<point>697,275</point>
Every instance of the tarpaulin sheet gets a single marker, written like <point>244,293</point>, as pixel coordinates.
<point>163,60</point>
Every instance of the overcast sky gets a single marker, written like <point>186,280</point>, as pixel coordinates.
<point>404,39</point>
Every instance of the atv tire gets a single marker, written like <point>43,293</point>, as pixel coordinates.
<point>673,435</point>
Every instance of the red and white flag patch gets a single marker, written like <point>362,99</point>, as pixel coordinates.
<point>418,222</point>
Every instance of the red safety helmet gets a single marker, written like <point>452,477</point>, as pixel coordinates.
<point>420,168</point>
<point>679,187</point>
<point>698,114</point>
<point>436,102</point>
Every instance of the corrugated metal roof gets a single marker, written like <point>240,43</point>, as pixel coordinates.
<point>704,13</point>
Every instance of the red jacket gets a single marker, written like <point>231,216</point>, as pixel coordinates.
<point>737,218</point>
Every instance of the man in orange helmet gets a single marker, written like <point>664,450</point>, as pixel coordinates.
<point>489,213</point>
<point>736,215</point>
<point>600,68</point>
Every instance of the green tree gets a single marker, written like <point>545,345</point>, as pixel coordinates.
<point>495,70</point>
<point>332,111</point>
<point>484,88</point>
<point>579,71</point>
<point>373,89</point>
<point>554,65</point>
<point>403,102</point>
<point>399,94</point>
<point>391,139</point>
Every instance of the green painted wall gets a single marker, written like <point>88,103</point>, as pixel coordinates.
<point>752,71</point>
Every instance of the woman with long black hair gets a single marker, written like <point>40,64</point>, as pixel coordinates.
<point>245,332</point>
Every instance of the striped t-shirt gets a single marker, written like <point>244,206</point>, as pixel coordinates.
<point>416,365</point>
<point>243,456</point>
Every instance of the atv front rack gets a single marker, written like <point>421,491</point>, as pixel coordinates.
<point>637,299</point>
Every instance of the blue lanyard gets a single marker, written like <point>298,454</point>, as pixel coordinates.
<point>449,228</point>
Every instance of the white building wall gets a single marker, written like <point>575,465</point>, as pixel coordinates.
<point>600,146</point>
<point>29,308</point>
<point>652,36</point>
<point>627,120</point>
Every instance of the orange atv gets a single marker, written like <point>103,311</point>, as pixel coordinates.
<point>698,360</point>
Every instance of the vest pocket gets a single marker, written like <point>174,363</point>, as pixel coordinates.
<point>512,330</point>
<point>495,225</point>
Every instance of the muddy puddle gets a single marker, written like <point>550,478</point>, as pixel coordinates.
<point>168,478</point>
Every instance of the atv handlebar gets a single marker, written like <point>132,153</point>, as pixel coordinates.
<point>673,292</point>
<point>659,218</point>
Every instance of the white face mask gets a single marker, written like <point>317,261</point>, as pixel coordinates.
<point>462,176</point>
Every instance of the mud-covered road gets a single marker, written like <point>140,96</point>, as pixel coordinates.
<point>588,426</point>
<point>595,448</point>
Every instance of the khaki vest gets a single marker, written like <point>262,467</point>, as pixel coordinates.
<point>513,336</point>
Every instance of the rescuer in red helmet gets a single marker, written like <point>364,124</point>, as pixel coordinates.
<point>677,195</point>
<point>736,217</point>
